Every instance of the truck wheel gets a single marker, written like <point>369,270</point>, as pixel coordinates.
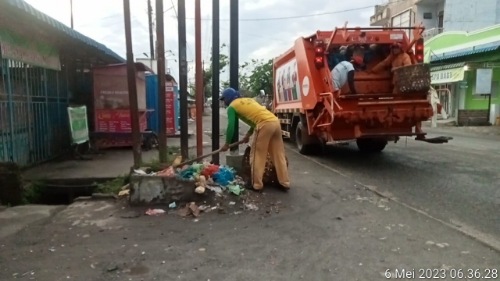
<point>371,145</point>
<point>306,144</point>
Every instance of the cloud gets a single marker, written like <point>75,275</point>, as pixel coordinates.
<point>258,38</point>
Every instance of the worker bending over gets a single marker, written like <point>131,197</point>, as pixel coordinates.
<point>267,137</point>
<point>343,73</point>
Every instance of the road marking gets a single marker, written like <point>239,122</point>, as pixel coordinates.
<point>468,231</point>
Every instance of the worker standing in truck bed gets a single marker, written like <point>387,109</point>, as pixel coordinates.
<point>396,59</point>
<point>267,139</point>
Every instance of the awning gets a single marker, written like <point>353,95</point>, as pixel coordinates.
<point>447,75</point>
<point>445,56</point>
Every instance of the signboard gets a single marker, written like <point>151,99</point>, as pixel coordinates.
<point>117,121</point>
<point>447,76</point>
<point>78,124</point>
<point>15,47</point>
<point>170,108</point>
<point>483,81</point>
<point>287,84</point>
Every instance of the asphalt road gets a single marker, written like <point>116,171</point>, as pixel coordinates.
<point>458,182</point>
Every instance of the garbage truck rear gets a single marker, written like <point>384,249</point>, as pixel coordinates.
<point>386,105</point>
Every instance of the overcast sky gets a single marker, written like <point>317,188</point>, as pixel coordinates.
<point>261,37</point>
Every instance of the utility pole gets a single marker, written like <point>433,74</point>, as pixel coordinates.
<point>215,79</point>
<point>234,59</point>
<point>71,7</point>
<point>183,77</point>
<point>132,88</point>
<point>160,63</point>
<point>150,19</point>
<point>198,80</point>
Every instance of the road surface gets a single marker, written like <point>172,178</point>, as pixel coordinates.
<point>458,182</point>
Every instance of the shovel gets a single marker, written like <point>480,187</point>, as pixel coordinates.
<point>205,156</point>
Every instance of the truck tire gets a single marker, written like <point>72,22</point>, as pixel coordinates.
<point>306,144</point>
<point>371,145</point>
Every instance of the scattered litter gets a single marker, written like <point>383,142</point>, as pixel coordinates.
<point>232,203</point>
<point>154,212</point>
<point>200,189</point>
<point>189,209</point>
<point>430,243</point>
<point>202,249</point>
<point>124,192</point>
<point>52,249</point>
<point>235,189</point>
<point>172,205</point>
<point>203,208</point>
<point>251,206</point>
<point>216,189</point>
<point>169,172</point>
<point>140,172</point>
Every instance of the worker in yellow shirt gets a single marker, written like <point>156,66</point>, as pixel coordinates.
<point>267,139</point>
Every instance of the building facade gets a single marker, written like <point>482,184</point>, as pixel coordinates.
<point>44,67</point>
<point>465,68</point>
<point>437,15</point>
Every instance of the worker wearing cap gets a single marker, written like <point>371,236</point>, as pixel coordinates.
<point>397,58</point>
<point>267,139</point>
<point>344,73</point>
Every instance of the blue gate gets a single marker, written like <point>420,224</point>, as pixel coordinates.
<point>33,116</point>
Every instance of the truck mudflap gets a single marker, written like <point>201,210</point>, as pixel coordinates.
<point>436,140</point>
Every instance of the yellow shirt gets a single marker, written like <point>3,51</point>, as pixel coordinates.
<point>250,112</point>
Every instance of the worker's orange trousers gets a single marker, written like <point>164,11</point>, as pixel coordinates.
<point>267,139</point>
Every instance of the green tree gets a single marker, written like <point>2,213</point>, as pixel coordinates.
<point>208,72</point>
<point>257,75</point>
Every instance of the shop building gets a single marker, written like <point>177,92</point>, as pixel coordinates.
<point>465,69</point>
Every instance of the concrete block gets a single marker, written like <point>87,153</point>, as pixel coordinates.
<point>152,190</point>
<point>235,161</point>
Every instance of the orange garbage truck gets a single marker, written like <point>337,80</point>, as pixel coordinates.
<point>389,101</point>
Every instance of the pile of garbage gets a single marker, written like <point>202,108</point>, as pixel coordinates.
<point>217,178</point>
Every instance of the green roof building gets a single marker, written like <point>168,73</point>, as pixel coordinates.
<point>466,72</point>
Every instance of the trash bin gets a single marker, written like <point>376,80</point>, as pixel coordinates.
<point>270,176</point>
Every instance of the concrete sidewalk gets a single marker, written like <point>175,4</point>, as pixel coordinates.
<point>114,163</point>
<point>493,131</point>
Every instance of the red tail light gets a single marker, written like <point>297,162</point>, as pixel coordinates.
<point>419,50</point>
<point>319,56</point>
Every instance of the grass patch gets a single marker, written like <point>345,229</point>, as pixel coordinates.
<point>154,165</point>
<point>113,186</point>
<point>32,192</point>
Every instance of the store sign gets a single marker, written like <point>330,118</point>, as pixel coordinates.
<point>30,55</point>
<point>447,76</point>
<point>78,124</point>
<point>170,108</point>
<point>484,77</point>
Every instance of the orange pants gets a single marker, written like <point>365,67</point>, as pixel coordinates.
<point>267,139</point>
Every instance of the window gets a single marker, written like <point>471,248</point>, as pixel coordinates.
<point>427,16</point>
<point>405,19</point>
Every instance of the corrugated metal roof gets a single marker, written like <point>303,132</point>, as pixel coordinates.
<point>448,66</point>
<point>27,8</point>
<point>458,54</point>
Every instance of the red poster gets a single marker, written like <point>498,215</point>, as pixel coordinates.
<point>169,108</point>
<point>117,121</point>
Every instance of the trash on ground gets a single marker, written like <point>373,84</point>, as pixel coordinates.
<point>172,205</point>
<point>251,206</point>
<point>189,209</point>
<point>154,212</point>
<point>235,189</point>
<point>124,192</point>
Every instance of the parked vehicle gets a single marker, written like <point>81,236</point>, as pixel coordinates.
<point>385,107</point>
